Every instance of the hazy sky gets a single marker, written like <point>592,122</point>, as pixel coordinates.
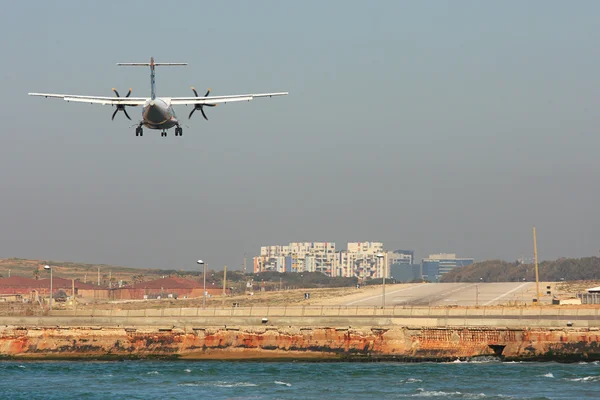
<point>438,126</point>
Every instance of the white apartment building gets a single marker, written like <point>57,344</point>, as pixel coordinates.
<point>297,257</point>
<point>362,259</point>
<point>365,260</point>
<point>402,257</point>
<point>274,263</point>
<point>365,247</point>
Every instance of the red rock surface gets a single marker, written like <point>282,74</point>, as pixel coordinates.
<point>433,344</point>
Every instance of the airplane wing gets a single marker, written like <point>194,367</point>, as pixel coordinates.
<point>221,99</point>
<point>125,101</point>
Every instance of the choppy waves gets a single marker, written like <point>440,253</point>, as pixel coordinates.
<point>471,379</point>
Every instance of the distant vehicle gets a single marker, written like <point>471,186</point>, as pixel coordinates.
<point>60,296</point>
<point>157,112</point>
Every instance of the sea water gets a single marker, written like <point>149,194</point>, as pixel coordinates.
<point>296,380</point>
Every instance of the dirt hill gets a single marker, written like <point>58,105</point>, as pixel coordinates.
<point>89,273</point>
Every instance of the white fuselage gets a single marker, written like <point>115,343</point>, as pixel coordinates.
<point>159,114</point>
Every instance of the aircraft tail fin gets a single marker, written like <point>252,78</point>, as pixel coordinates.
<point>151,64</point>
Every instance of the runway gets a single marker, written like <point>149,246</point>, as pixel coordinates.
<point>447,294</point>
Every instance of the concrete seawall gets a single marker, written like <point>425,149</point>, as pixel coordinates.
<point>523,317</point>
<point>337,333</point>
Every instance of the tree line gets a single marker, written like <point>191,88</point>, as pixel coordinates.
<point>563,269</point>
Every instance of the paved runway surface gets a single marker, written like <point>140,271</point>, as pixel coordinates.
<point>446,294</point>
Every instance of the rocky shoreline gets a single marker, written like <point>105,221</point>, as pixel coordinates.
<point>406,344</point>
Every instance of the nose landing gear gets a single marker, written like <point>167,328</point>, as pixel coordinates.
<point>139,131</point>
<point>178,131</point>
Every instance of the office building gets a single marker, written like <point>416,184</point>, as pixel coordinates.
<point>436,265</point>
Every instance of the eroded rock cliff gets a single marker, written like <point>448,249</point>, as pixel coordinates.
<point>325,343</point>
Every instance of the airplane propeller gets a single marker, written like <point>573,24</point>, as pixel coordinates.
<point>200,106</point>
<point>120,107</point>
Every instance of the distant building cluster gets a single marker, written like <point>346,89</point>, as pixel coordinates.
<point>436,265</point>
<point>361,259</point>
<point>364,260</point>
<point>35,290</point>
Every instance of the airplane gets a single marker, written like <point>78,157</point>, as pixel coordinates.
<point>157,112</point>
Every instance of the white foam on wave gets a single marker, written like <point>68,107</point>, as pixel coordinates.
<point>480,360</point>
<point>421,392</point>
<point>475,360</point>
<point>21,366</point>
<point>283,383</point>
<point>187,370</point>
<point>219,384</point>
<point>548,375</point>
<point>593,378</point>
<point>235,384</point>
<point>153,373</point>
<point>435,393</point>
<point>412,380</point>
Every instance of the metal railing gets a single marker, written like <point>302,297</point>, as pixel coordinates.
<point>589,298</point>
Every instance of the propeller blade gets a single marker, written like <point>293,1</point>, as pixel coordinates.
<point>202,111</point>
<point>115,113</point>
<point>128,92</point>
<point>190,116</point>
<point>207,93</point>
<point>117,93</point>
<point>210,105</point>
<point>127,115</point>
<point>194,89</point>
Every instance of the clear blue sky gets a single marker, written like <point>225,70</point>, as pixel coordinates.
<point>438,126</point>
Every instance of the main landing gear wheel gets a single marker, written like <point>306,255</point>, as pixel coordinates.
<point>178,131</point>
<point>163,134</point>
<point>139,131</point>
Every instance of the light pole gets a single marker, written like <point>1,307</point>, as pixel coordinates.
<point>47,267</point>
<point>200,262</point>
<point>381,258</point>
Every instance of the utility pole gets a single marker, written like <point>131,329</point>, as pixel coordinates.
<point>110,279</point>
<point>224,280</point>
<point>381,258</point>
<point>535,256</point>
<point>73,294</point>
<point>244,263</point>
<point>98,276</point>
<point>200,262</point>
